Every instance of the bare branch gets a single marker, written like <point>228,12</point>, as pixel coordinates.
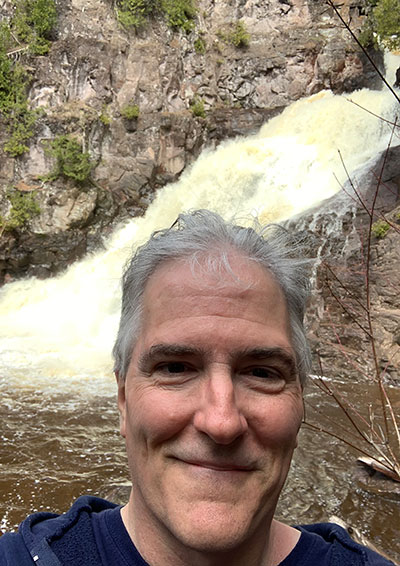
<point>346,25</point>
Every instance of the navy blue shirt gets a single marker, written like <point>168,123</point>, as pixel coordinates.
<point>113,541</point>
<point>115,546</point>
<point>91,533</point>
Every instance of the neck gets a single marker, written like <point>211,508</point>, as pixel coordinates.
<point>267,546</point>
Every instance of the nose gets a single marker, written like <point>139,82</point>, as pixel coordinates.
<point>218,414</point>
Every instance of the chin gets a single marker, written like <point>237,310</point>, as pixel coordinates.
<point>214,531</point>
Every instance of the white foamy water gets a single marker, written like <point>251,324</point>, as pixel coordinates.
<point>58,333</point>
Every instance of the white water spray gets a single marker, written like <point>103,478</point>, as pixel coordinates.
<point>58,333</point>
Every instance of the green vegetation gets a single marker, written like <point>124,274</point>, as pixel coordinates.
<point>197,107</point>
<point>200,46</point>
<point>237,35</point>
<point>14,107</point>
<point>134,13</point>
<point>33,24</point>
<point>104,117</point>
<point>380,228</point>
<point>23,208</point>
<point>71,160</point>
<point>382,26</point>
<point>29,29</point>
<point>130,111</point>
<point>179,14</point>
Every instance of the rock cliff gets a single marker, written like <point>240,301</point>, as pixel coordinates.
<point>95,69</point>
<point>337,319</point>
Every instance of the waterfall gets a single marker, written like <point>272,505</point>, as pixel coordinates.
<point>58,333</point>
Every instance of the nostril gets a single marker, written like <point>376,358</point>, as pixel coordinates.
<point>223,427</point>
<point>219,414</point>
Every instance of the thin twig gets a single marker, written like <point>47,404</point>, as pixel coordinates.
<point>347,310</point>
<point>344,287</point>
<point>360,200</point>
<point>342,349</point>
<point>346,25</point>
<point>340,402</point>
<point>370,112</point>
<point>315,409</point>
<point>322,429</point>
<point>368,288</point>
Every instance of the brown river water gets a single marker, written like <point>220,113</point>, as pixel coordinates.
<point>57,446</point>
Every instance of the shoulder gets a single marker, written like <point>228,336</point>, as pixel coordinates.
<point>13,551</point>
<point>346,550</point>
<point>44,532</point>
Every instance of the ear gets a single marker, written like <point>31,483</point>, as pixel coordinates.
<point>121,404</point>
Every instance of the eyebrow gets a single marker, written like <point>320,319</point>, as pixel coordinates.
<point>169,351</point>
<point>280,354</point>
<point>180,351</point>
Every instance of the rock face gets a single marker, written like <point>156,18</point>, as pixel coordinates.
<point>95,68</point>
<point>338,316</point>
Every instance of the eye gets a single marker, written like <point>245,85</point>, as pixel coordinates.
<point>264,373</point>
<point>174,372</point>
<point>172,368</point>
<point>264,378</point>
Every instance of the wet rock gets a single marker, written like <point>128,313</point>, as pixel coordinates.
<point>337,319</point>
<point>95,68</point>
<point>71,222</point>
<point>397,81</point>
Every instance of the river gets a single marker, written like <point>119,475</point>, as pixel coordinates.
<point>59,434</point>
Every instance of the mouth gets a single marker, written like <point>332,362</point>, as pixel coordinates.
<point>217,466</point>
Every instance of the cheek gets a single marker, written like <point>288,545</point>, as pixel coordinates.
<point>278,424</point>
<point>155,415</point>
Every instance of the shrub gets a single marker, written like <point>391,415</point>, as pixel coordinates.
<point>71,160</point>
<point>134,13</point>
<point>14,106</point>
<point>386,16</point>
<point>33,23</point>
<point>382,25</point>
<point>237,35</point>
<point>130,111</point>
<point>380,228</point>
<point>104,117</point>
<point>366,37</point>
<point>178,13</point>
<point>200,46</point>
<point>197,107</point>
<point>20,131</point>
<point>23,208</point>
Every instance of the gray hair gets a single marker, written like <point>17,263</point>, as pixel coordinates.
<point>204,233</point>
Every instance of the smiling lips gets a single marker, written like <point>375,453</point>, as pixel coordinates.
<point>218,466</point>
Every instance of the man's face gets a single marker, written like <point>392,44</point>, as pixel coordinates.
<point>211,405</point>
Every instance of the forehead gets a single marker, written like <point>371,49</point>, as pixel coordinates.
<point>238,288</point>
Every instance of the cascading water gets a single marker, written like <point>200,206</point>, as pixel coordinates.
<point>62,329</point>
<point>59,434</point>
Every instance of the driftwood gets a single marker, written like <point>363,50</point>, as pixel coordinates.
<point>378,467</point>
